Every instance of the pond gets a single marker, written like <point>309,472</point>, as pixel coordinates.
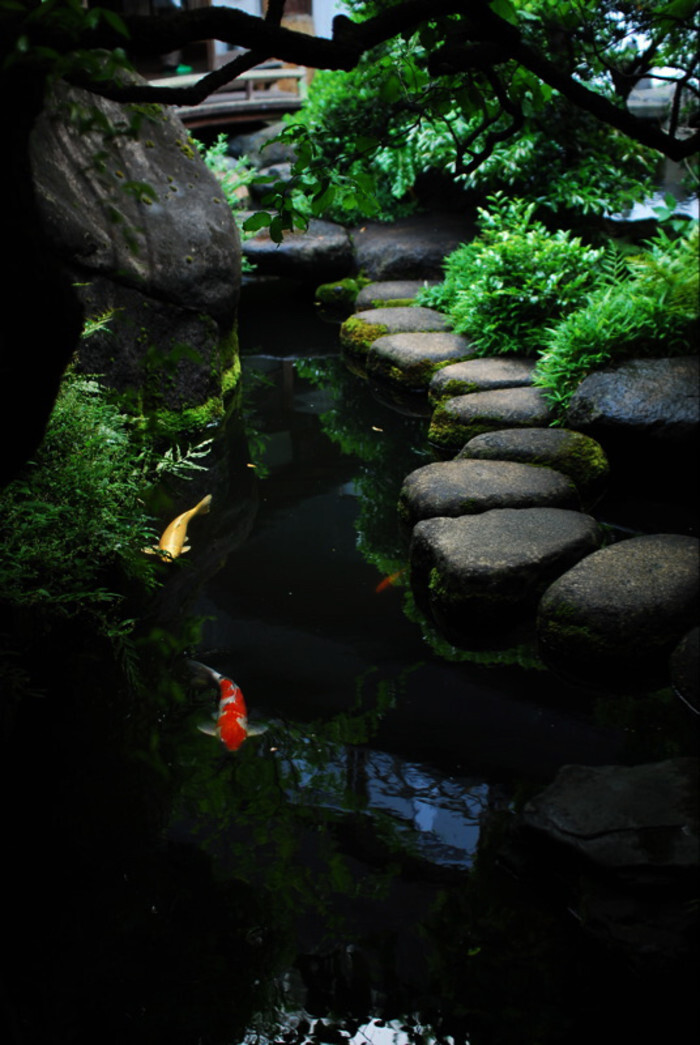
<point>367,817</point>
<point>346,875</point>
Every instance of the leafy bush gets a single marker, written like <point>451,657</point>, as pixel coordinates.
<point>650,309</point>
<point>504,288</point>
<point>76,510</point>
<point>389,121</point>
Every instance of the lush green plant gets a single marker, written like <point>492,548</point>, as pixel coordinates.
<point>390,121</point>
<point>233,177</point>
<point>76,510</point>
<point>648,309</point>
<point>73,526</point>
<point>504,288</point>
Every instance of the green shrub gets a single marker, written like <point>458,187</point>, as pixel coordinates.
<point>651,311</point>
<point>77,510</point>
<point>503,289</point>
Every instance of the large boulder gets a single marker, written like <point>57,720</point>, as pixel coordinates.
<point>142,227</point>
<point>646,413</point>
<point>614,619</point>
<point>479,575</point>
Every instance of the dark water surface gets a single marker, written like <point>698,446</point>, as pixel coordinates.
<point>369,813</point>
<point>346,876</point>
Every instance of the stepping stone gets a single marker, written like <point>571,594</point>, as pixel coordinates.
<point>323,251</point>
<point>615,618</point>
<point>479,575</point>
<point>571,453</point>
<point>480,375</point>
<point>390,293</point>
<point>453,488</point>
<point>455,421</point>
<point>411,360</point>
<point>359,331</point>
<point>410,248</point>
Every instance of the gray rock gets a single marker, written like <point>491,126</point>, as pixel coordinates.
<point>464,487</point>
<point>614,619</point>
<point>259,148</point>
<point>639,821</point>
<point>657,398</point>
<point>479,575</point>
<point>457,420</point>
<point>276,172</point>
<point>166,256</point>
<point>572,453</point>
<point>321,253</point>
<point>390,292</point>
<point>360,330</point>
<point>625,842</point>
<point>411,359</point>
<point>481,375</point>
<point>410,248</point>
<point>685,670</point>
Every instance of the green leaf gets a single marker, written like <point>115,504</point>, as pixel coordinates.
<point>505,10</point>
<point>260,220</point>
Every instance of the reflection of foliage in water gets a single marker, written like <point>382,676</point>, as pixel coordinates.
<point>270,813</point>
<point>388,446</point>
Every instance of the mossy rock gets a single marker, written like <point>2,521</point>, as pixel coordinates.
<point>571,453</point>
<point>338,297</point>
<point>614,619</point>
<point>360,331</point>
<point>480,375</point>
<point>392,293</point>
<point>411,360</point>
<point>463,487</point>
<point>457,420</point>
<point>481,575</point>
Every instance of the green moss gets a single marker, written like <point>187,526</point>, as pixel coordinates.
<point>356,335</point>
<point>392,302</point>
<point>339,295</point>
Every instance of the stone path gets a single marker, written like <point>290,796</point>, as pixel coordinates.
<point>497,528</point>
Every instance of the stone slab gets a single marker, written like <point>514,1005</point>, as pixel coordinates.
<point>412,359</point>
<point>457,420</point>
<point>481,375</point>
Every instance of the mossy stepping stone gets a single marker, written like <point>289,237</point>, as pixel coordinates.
<point>390,293</point>
<point>480,375</point>
<point>572,453</point>
<point>359,331</point>
<point>453,488</point>
<point>457,420</point>
<point>478,575</point>
<point>614,619</point>
<point>411,360</point>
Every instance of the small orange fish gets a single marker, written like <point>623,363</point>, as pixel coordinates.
<point>387,582</point>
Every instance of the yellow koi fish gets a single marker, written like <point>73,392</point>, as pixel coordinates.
<point>172,543</point>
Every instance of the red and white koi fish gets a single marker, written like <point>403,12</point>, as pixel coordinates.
<point>231,720</point>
